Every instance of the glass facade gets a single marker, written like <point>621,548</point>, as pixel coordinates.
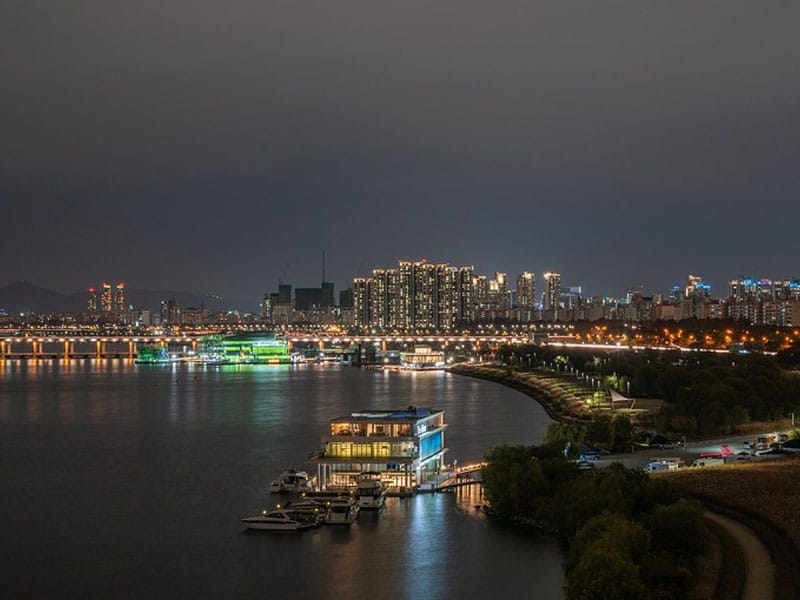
<point>431,444</point>
<point>406,447</point>
<point>370,449</point>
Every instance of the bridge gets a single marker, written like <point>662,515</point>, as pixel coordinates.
<point>127,346</point>
<point>455,478</point>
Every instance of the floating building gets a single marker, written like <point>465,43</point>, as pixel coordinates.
<point>422,358</point>
<point>247,348</point>
<point>404,447</point>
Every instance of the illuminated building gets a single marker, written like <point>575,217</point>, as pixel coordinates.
<point>406,447</point>
<point>91,302</point>
<point>552,291</point>
<point>170,313</point>
<point>697,286</point>
<point>106,300</point>
<point>361,316</point>
<point>416,295</point>
<point>263,348</point>
<point>152,354</point>
<point>480,291</point>
<point>526,290</point>
<point>465,295</point>
<point>119,299</point>
<point>422,358</point>
<point>382,298</point>
<point>266,308</point>
<point>498,294</point>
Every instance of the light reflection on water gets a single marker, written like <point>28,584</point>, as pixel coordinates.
<point>136,476</point>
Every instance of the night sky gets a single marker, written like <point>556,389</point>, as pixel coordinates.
<point>216,146</point>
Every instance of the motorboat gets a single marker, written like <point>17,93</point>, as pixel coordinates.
<point>307,511</point>
<point>275,520</point>
<point>370,491</point>
<point>342,510</point>
<point>292,481</point>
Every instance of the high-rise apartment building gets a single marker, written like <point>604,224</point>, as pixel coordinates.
<point>266,308</point>
<point>465,295</point>
<point>106,298</point>
<point>696,286</point>
<point>361,315</point>
<point>91,301</point>
<point>416,295</point>
<point>498,293</point>
<point>119,299</point>
<point>526,290</point>
<point>480,291</point>
<point>552,291</point>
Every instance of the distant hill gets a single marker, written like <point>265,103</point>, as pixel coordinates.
<point>23,296</point>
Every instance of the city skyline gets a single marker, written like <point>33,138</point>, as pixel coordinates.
<point>618,145</point>
<point>536,279</point>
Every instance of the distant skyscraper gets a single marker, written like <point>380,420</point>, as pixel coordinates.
<point>480,290</point>
<point>416,295</point>
<point>498,297</point>
<point>106,299</point>
<point>170,313</point>
<point>266,308</point>
<point>91,301</point>
<point>570,296</point>
<point>633,291</point>
<point>696,286</point>
<point>307,299</point>
<point>284,293</point>
<point>326,294</point>
<point>119,299</point>
<point>361,316</point>
<point>526,290</point>
<point>552,291</point>
<point>346,298</point>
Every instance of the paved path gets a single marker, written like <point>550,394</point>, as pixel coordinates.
<point>759,581</point>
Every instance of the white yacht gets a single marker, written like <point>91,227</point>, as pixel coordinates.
<point>292,481</point>
<point>342,510</point>
<point>370,491</point>
<point>275,520</point>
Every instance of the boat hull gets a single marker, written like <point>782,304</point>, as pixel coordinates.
<point>268,526</point>
<point>371,502</point>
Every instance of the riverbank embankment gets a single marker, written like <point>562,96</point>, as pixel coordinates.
<point>561,401</point>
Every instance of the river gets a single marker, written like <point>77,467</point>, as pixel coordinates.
<point>124,480</point>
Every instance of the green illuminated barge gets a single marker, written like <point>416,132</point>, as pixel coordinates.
<point>152,355</point>
<point>245,348</point>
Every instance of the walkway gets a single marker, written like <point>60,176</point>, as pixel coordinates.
<point>759,581</point>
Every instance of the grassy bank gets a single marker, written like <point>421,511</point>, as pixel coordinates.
<point>764,496</point>
<point>564,398</point>
<point>560,401</point>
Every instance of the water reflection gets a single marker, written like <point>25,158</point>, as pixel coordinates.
<point>168,459</point>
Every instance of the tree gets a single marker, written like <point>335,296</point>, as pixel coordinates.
<point>513,479</point>
<point>605,574</point>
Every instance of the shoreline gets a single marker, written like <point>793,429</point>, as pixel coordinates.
<point>558,409</point>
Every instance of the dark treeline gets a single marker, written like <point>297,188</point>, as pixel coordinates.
<point>630,536</point>
<point>703,393</point>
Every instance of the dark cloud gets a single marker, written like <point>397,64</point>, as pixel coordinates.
<point>207,145</point>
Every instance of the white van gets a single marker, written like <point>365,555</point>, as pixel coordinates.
<point>708,462</point>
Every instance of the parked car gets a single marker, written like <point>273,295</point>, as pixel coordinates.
<point>659,441</point>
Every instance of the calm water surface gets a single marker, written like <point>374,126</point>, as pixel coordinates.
<point>120,480</point>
